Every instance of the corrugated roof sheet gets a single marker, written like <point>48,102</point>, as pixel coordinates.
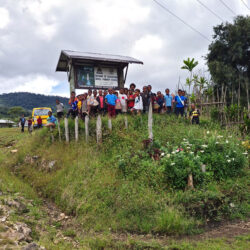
<point>69,54</point>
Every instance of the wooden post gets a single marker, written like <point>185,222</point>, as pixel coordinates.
<point>150,122</point>
<point>99,129</point>
<point>126,121</point>
<point>76,129</point>
<point>87,128</point>
<point>190,184</point>
<point>52,135</point>
<point>59,130</point>
<point>109,123</point>
<point>66,124</point>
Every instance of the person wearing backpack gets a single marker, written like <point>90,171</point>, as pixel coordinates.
<point>180,103</point>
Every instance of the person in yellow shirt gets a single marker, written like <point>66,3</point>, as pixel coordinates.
<point>194,114</point>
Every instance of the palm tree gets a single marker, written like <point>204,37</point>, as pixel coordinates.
<point>189,65</point>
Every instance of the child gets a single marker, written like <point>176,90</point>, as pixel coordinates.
<point>84,108</point>
<point>123,97</point>
<point>130,100</point>
<point>168,101</point>
<point>51,120</point>
<point>101,103</point>
<point>30,125</point>
<point>39,122</point>
<point>73,101</point>
<point>110,99</point>
<point>118,105</point>
<point>138,106</point>
<point>160,101</point>
<point>194,115</point>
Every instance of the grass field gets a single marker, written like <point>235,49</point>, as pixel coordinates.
<point>117,188</point>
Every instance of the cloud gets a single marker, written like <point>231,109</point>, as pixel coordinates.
<point>33,32</point>
<point>5,18</point>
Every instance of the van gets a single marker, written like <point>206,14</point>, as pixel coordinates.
<point>43,112</point>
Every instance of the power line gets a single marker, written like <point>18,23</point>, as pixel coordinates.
<point>209,10</point>
<point>245,4</point>
<point>191,27</point>
<point>227,7</point>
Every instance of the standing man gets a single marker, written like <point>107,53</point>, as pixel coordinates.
<point>59,109</point>
<point>185,103</point>
<point>179,99</point>
<point>22,122</point>
<point>110,99</point>
<point>168,101</point>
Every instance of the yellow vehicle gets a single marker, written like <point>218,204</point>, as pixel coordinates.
<point>43,112</point>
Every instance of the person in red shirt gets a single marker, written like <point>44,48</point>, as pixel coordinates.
<point>102,104</point>
<point>39,122</point>
<point>131,99</point>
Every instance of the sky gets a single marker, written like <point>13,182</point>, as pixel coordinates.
<point>33,33</point>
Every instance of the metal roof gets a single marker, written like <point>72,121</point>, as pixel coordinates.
<point>66,55</point>
<point>6,121</point>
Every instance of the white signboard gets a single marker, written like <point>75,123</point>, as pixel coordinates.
<point>106,77</point>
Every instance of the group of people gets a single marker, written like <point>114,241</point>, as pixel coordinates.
<point>126,100</point>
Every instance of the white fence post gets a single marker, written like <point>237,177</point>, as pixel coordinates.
<point>76,129</point>
<point>110,124</point>
<point>66,124</point>
<point>150,122</point>
<point>87,128</point>
<point>52,135</point>
<point>99,129</point>
<point>126,121</point>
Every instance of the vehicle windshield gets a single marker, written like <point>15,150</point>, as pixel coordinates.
<point>41,112</point>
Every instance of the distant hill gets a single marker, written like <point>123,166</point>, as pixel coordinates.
<point>29,100</point>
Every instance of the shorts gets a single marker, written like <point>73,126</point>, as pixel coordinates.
<point>111,110</point>
<point>60,115</point>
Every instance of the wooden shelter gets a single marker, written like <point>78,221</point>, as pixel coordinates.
<point>93,70</point>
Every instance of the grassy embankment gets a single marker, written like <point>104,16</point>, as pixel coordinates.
<point>118,187</point>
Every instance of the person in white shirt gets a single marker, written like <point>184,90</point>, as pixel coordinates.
<point>123,98</point>
<point>138,106</point>
<point>59,109</point>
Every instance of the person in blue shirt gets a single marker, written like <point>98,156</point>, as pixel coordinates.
<point>180,103</point>
<point>51,120</point>
<point>22,122</point>
<point>110,99</point>
<point>168,101</point>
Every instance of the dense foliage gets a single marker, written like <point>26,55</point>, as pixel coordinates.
<point>28,101</point>
<point>229,58</point>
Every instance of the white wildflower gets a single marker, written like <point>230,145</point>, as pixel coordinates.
<point>227,141</point>
<point>173,152</point>
<point>208,132</point>
<point>233,159</point>
<point>191,153</point>
<point>232,205</point>
<point>162,154</point>
<point>202,151</point>
<point>230,136</point>
<point>184,139</point>
<point>217,142</point>
<point>204,146</point>
<point>168,155</point>
<point>172,164</point>
<point>228,161</point>
<point>245,153</point>
<point>188,147</point>
<point>227,156</point>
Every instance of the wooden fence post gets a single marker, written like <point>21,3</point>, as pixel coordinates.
<point>150,122</point>
<point>126,121</point>
<point>59,130</point>
<point>87,128</point>
<point>52,135</point>
<point>109,123</point>
<point>99,129</point>
<point>76,129</point>
<point>66,124</point>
